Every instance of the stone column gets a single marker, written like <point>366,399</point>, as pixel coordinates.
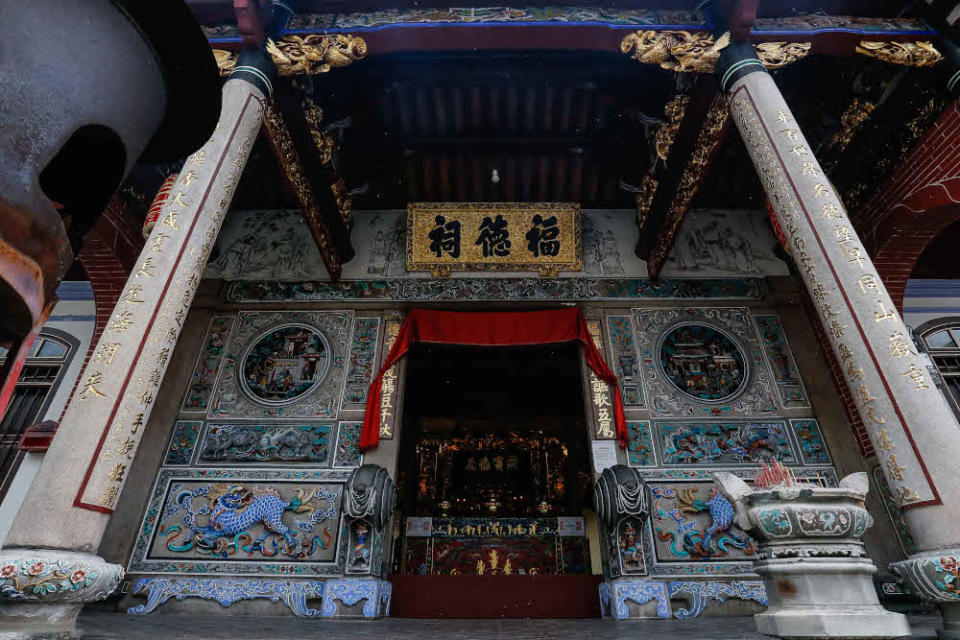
<point>57,532</point>
<point>913,431</point>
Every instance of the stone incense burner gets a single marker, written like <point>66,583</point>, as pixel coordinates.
<point>810,556</point>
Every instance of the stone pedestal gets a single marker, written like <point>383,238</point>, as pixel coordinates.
<point>819,581</point>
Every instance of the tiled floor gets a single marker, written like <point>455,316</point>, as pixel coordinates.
<point>105,626</point>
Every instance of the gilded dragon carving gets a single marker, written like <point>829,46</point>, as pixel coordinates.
<point>909,54</point>
<point>304,55</point>
<point>687,51</point>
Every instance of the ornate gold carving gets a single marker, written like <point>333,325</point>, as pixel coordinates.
<point>707,142</point>
<point>667,132</point>
<point>303,55</point>
<point>774,55</point>
<point>698,51</point>
<point>226,61</point>
<point>344,203</point>
<point>308,55</point>
<point>648,189</point>
<point>493,236</point>
<point>910,54</point>
<point>676,50</point>
<point>850,122</point>
<point>322,140</point>
<point>282,145</point>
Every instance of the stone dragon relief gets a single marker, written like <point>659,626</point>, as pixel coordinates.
<point>321,400</point>
<point>754,397</point>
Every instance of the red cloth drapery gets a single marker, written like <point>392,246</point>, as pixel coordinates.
<point>490,329</point>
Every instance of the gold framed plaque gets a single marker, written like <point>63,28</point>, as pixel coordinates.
<point>493,236</point>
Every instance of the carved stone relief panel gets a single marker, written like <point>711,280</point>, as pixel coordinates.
<point>242,522</point>
<point>284,364</point>
<point>703,362</point>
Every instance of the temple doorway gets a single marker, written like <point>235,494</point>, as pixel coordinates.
<point>494,481</point>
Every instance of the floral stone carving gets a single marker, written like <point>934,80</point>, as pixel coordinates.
<point>48,576</point>
<point>818,578</point>
<point>227,591</point>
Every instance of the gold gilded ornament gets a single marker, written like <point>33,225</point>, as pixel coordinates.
<point>687,51</point>
<point>676,50</point>
<point>774,55</point>
<point>909,54</point>
<point>308,55</point>
<point>667,132</point>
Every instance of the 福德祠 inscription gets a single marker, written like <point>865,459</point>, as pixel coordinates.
<point>445,237</point>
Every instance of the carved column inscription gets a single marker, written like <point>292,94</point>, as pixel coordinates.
<point>908,421</point>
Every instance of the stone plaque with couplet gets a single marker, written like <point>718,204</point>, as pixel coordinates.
<point>479,236</point>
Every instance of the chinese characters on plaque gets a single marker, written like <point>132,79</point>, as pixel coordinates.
<point>445,237</point>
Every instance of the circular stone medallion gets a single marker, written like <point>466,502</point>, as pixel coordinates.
<point>284,363</point>
<point>702,362</point>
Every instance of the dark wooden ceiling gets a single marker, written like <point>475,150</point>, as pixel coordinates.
<point>564,126</point>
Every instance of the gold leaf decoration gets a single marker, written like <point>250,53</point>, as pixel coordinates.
<point>698,52</point>
<point>909,54</point>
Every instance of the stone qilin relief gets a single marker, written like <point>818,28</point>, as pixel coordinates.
<point>694,522</point>
<point>693,366</point>
<point>284,365</point>
<point>231,443</point>
<point>208,364</point>
<point>182,442</point>
<point>782,364</point>
<point>363,353</point>
<point>687,443</point>
<point>247,522</point>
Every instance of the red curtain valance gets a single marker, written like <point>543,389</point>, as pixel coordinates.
<point>490,329</point>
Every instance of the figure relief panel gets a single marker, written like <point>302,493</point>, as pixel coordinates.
<point>724,243</point>
<point>703,362</point>
<point>284,365</point>
<point>272,244</point>
<point>276,245</point>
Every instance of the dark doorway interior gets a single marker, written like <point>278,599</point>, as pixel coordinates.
<point>494,451</point>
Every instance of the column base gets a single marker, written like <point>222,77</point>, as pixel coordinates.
<point>825,598</point>
<point>43,590</point>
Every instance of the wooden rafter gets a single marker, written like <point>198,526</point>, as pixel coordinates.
<point>673,186</point>
<point>295,174</point>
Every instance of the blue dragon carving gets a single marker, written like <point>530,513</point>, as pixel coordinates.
<point>232,511</point>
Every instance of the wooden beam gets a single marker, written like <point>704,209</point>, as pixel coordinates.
<point>315,209</point>
<point>669,188</point>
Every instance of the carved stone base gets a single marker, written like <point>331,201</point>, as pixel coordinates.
<point>828,598</point>
<point>342,594</point>
<point>648,597</point>
<point>43,590</point>
<point>935,577</point>
<point>227,591</point>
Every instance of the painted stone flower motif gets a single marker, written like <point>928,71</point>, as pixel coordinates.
<point>36,569</point>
